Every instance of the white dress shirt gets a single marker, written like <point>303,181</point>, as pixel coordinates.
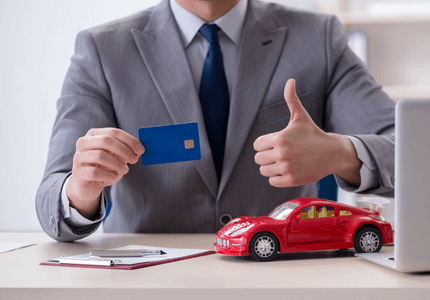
<point>196,47</point>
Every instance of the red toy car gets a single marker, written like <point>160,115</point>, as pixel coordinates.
<point>304,224</point>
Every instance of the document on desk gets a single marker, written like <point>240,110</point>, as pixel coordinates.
<point>128,263</point>
<point>6,247</point>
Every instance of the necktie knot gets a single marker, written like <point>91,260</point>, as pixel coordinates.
<point>210,32</point>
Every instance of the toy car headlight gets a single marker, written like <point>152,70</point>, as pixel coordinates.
<point>233,221</point>
<point>240,231</point>
<point>378,217</point>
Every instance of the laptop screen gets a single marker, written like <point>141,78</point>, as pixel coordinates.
<point>412,186</point>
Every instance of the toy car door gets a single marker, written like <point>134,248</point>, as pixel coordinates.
<point>314,224</point>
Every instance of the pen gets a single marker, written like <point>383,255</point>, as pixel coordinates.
<point>126,253</point>
<point>92,260</point>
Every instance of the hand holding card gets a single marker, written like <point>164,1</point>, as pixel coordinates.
<point>170,143</point>
<point>100,160</point>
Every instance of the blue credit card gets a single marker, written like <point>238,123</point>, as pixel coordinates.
<point>170,143</point>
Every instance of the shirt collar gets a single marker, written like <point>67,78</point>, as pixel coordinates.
<point>231,23</point>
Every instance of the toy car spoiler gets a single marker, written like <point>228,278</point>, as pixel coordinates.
<point>375,203</point>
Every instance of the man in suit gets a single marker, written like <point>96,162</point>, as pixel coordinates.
<point>146,70</point>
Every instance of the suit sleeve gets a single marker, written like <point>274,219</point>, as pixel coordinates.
<point>357,106</point>
<point>85,103</point>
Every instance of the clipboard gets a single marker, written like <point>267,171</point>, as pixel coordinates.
<point>119,263</point>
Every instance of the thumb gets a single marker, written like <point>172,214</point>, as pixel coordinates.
<point>298,112</point>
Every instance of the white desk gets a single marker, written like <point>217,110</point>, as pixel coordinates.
<point>321,275</point>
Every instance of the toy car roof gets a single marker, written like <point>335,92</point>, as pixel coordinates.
<point>312,201</point>
<point>308,201</point>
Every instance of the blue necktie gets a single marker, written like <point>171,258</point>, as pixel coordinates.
<point>214,97</point>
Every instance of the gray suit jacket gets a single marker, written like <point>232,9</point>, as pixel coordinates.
<point>134,73</point>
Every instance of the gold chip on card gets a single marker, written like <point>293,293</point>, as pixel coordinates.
<point>189,144</point>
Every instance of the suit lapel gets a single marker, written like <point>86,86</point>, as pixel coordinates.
<point>261,46</point>
<point>162,51</point>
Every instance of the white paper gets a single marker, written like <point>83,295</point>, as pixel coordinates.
<point>171,253</point>
<point>6,247</point>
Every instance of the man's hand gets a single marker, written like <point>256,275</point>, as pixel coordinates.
<point>302,153</point>
<point>100,160</point>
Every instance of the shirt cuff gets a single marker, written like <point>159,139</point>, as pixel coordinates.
<point>368,171</point>
<point>71,216</point>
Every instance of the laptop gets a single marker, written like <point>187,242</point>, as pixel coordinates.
<point>412,191</point>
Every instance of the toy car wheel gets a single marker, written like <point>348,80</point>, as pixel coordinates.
<point>264,246</point>
<point>368,240</point>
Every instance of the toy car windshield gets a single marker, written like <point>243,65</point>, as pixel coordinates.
<point>283,210</point>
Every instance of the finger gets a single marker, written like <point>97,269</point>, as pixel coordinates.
<point>127,139</point>
<point>264,142</point>
<point>282,181</point>
<point>267,157</point>
<point>100,159</point>
<point>296,108</point>
<point>107,143</point>
<point>269,170</point>
<point>94,173</point>
<point>276,169</point>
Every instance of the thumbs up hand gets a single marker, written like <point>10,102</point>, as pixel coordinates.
<point>302,153</point>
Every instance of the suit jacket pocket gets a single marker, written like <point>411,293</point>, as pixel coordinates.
<point>275,112</point>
